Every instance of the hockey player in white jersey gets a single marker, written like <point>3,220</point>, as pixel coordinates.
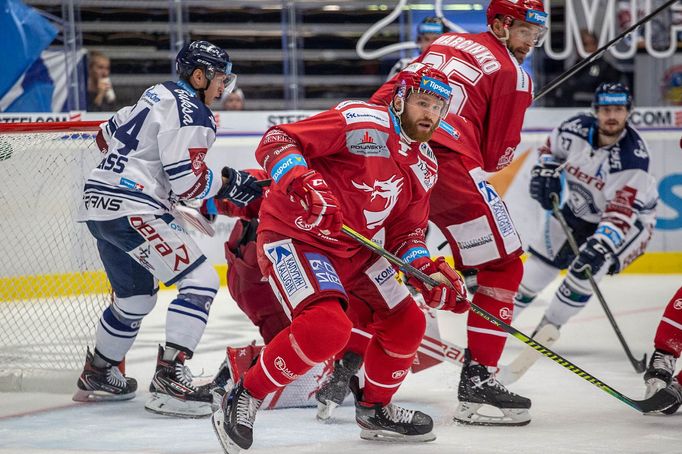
<point>610,203</point>
<point>154,157</point>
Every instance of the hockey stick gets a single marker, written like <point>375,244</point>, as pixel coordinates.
<point>639,365</point>
<point>657,402</point>
<point>598,53</point>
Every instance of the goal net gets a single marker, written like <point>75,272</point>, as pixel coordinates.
<point>52,284</point>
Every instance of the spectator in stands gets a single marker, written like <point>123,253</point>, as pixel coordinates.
<point>234,100</point>
<point>101,96</point>
<point>578,91</point>
<point>428,31</point>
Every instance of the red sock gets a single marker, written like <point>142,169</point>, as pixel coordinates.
<point>496,289</point>
<point>391,351</point>
<point>669,333</point>
<point>316,334</point>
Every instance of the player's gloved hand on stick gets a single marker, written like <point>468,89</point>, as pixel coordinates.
<point>320,204</point>
<point>239,187</point>
<point>545,179</point>
<point>593,255</point>
<point>450,294</point>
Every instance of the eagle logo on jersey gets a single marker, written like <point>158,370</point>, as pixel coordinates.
<point>387,192</point>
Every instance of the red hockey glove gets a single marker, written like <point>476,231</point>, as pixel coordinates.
<point>322,209</point>
<point>450,294</point>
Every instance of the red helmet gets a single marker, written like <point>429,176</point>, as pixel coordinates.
<point>529,11</point>
<point>423,78</point>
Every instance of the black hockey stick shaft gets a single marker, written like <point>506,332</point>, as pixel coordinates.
<point>657,402</point>
<point>638,364</point>
<point>599,52</point>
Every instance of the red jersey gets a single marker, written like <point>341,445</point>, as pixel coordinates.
<point>491,93</point>
<point>381,180</point>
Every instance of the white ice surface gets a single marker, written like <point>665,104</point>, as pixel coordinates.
<point>569,414</point>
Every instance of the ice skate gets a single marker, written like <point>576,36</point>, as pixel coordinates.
<point>484,401</point>
<point>334,391</point>
<point>174,394</point>
<point>103,383</point>
<point>659,375</point>
<point>233,421</point>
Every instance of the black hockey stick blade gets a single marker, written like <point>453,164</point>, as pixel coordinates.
<point>657,402</point>
<point>661,400</point>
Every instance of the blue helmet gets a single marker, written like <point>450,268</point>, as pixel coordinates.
<point>204,55</point>
<point>612,94</point>
<point>431,25</point>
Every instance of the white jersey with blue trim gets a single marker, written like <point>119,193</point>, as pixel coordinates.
<point>156,153</point>
<point>610,183</point>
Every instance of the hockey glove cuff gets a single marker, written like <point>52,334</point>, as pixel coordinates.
<point>545,180</point>
<point>592,256</point>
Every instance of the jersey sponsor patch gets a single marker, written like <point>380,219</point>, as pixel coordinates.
<point>414,253</point>
<point>449,129</point>
<point>130,184</point>
<point>475,241</point>
<point>289,271</point>
<point>284,165</point>
<point>426,175</point>
<point>385,279</point>
<point>324,272</point>
<point>197,156</point>
<point>368,142</point>
<point>363,115</point>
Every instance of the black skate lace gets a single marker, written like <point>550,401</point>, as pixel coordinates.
<point>116,378</point>
<point>247,407</point>
<point>398,414</point>
<point>664,362</point>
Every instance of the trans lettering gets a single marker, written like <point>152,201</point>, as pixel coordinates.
<point>102,202</point>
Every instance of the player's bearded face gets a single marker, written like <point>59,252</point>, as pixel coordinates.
<point>421,116</point>
<point>522,38</point>
<point>612,120</point>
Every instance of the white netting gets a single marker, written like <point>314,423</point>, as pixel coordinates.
<point>52,284</point>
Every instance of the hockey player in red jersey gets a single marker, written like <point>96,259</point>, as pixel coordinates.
<point>368,167</point>
<point>490,95</point>
<point>668,346</point>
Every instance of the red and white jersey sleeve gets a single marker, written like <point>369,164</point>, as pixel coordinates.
<point>491,93</point>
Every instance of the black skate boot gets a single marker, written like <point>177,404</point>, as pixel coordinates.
<point>390,423</point>
<point>172,391</point>
<point>478,387</point>
<point>659,375</point>
<point>335,389</point>
<point>103,383</point>
<point>233,421</point>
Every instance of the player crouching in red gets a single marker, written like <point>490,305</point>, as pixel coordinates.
<point>369,167</point>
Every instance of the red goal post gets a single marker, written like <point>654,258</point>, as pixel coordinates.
<point>52,284</point>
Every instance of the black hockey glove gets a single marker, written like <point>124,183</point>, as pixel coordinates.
<point>241,187</point>
<point>545,179</point>
<point>593,255</point>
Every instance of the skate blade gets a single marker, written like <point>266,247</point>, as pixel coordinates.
<point>229,446</point>
<point>547,336</point>
<point>324,411</point>
<point>99,396</point>
<point>486,415</point>
<point>393,437</point>
<point>163,404</point>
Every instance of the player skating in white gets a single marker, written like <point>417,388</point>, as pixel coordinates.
<point>155,152</point>
<point>610,204</point>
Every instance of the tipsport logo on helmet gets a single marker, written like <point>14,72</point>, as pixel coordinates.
<point>612,99</point>
<point>534,16</point>
<point>435,86</point>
